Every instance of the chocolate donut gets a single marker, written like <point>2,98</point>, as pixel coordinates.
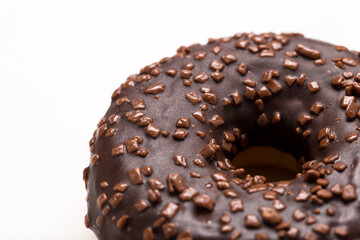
<point>164,158</point>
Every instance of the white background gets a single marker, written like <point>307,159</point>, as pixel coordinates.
<point>60,62</point>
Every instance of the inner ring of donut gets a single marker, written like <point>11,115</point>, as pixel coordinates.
<point>270,153</point>
<point>270,162</point>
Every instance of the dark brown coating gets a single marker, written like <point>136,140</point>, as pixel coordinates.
<point>160,165</point>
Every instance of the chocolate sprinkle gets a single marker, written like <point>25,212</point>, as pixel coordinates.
<point>170,210</point>
<point>351,137</point>
<point>193,97</point>
<point>236,205</point>
<point>169,230</point>
<point>180,160</point>
<point>188,194</point>
<point>270,215</point>
<point>216,121</point>
<point>204,201</point>
<point>290,64</point>
<point>307,52</point>
<point>252,221</point>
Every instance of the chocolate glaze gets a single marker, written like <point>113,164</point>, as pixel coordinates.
<point>148,180</point>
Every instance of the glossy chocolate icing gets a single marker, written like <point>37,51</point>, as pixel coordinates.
<point>195,203</point>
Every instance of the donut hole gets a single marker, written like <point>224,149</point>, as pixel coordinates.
<point>275,153</point>
<point>270,162</point>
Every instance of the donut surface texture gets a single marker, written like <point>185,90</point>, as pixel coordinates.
<point>161,157</point>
